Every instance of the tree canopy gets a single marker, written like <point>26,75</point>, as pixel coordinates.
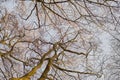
<point>55,39</point>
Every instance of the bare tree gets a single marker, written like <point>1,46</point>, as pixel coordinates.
<point>54,39</point>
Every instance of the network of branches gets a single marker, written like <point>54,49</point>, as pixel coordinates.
<point>54,39</point>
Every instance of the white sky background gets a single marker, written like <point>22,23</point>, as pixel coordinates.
<point>104,37</point>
